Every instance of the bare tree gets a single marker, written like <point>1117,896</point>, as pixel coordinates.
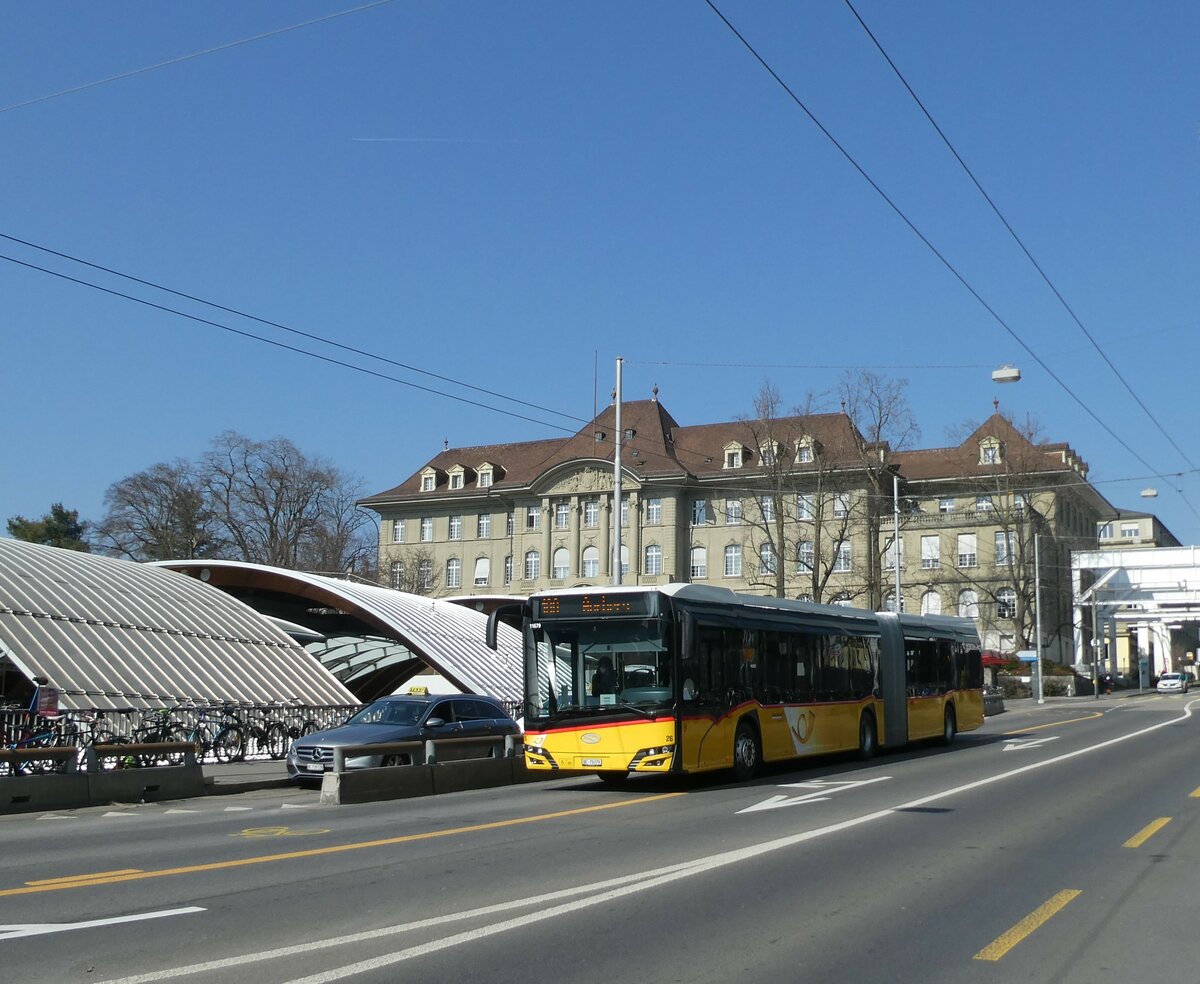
<point>412,570</point>
<point>281,508</point>
<point>159,514</point>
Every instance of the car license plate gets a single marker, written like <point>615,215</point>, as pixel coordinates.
<point>593,763</point>
<point>313,767</point>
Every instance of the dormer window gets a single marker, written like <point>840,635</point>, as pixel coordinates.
<point>804,454</point>
<point>767,454</point>
<point>428,480</point>
<point>734,454</point>
<point>991,451</point>
<point>456,480</point>
<point>485,477</point>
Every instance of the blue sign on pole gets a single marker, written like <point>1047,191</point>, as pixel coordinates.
<point>1027,655</point>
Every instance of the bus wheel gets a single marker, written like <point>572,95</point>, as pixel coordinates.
<point>611,776</point>
<point>867,742</point>
<point>949,727</point>
<point>746,753</point>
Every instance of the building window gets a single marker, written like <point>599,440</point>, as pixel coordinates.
<point>967,552</point>
<point>624,560</point>
<point>805,506</point>
<point>1020,504</point>
<point>841,505</point>
<point>454,573</point>
<point>397,531</point>
<point>733,512</point>
<point>483,526</point>
<point>533,565</point>
<point>990,454</point>
<point>562,515</point>
<point>733,560</point>
<point>396,575</point>
<point>699,512</point>
<point>804,557</point>
<point>733,457</point>
<point>533,517</point>
<point>1106,531</point>
<point>654,559</point>
<point>842,600</point>
<point>624,510</point>
<point>931,603</point>
<point>510,523</point>
<point>485,478</point>
<point>455,527</point>
<point>560,565</point>
<point>426,529</point>
<point>591,513</point>
<point>653,511</point>
<point>766,456</point>
<point>698,565</point>
<point>766,558</point>
<point>1006,603</point>
<point>428,481</point>
<point>766,506</point>
<point>983,503</point>
<point>968,604</point>
<point>945,505</point>
<point>804,454</point>
<point>456,480</point>
<point>1004,548</point>
<point>931,553</point>
<point>508,569</point>
<point>1130,531</point>
<point>591,562</point>
<point>483,571</point>
<point>890,554</point>
<point>841,562</point>
<point>889,604</point>
<point>425,574</point>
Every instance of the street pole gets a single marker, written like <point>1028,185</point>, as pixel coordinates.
<point>896,543</point>
<point>616,561</point>
<point>1095,646</point>
<point>1037,608</point>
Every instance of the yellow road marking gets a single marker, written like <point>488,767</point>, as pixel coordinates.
<point>1143,835</point>
<point>1039,917</point>
<point>1054,724</point>
<point>279,832</point>
<point>1194,794</point>
<point>134,875</point>
<point>78,878</point>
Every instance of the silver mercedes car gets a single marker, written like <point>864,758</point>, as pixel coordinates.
<point>407,717</point>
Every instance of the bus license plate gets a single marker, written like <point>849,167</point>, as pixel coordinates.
<point>593,763</point>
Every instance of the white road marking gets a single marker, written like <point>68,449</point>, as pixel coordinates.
<point>237,809</point>
<point>1019,743</point>
<point>19,930</point>
<point>605,891</point>
<point>118,813</point>
<point>56,816</point>
<point>165,812</point>
<point>823,789</point>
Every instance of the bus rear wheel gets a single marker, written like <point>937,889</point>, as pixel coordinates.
<point>747,753</point>
<point>949,727</point>
<point>867,739</point>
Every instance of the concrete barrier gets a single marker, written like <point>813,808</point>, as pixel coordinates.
<point>25,794</point>
<point>405,781</point>
<point>163,782</point>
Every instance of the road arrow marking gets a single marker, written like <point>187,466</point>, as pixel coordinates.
<point>16,930</point>
<point>237,809</point>
<point>1019,743</point>
<point>115,813</point>
<point>822,790</point>
<point>165,812</point>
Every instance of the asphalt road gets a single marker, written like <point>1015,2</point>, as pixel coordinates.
<point>1058,844</point>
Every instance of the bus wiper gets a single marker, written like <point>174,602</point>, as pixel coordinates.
<point>649,715</point>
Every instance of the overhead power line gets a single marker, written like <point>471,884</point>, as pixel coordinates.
<point>941,257</point>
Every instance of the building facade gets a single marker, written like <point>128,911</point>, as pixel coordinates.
<point>800,507</point>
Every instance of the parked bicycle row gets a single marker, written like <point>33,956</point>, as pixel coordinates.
<point>224,732</point>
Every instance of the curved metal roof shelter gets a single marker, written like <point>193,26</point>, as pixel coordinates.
<point>112,633</point>
<point>409,631</point>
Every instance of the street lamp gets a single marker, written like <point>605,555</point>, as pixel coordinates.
<point>1006,374</point>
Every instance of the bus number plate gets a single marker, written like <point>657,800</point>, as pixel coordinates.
<point>593,763</point>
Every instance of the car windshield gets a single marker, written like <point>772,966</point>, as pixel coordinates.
<point>598,667</point>
<point>391,712</point>
<point>1167,677</point>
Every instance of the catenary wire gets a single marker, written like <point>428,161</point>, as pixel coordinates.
<point>953,270</point>
<point>195,54</point>
<point>282,345</point>
<point>1017,239</point>
<point>283,327</point>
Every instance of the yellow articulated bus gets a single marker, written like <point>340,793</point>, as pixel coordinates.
<point>691,678</point>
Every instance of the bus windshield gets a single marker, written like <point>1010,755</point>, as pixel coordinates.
<point>574,667</point>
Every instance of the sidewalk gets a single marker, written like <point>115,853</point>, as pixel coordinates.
<point>243,777</point>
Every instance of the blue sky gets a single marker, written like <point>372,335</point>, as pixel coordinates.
<point>514,194</point>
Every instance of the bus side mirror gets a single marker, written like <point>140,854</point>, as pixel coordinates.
<point>501,613</point>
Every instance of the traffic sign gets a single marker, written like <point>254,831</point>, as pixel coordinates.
<point>1027,656</point>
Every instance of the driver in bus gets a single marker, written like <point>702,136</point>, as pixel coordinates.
<point>604,681</point>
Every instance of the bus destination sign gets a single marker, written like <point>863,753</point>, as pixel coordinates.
<point>584,605</point>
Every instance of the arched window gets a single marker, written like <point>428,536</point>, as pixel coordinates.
<point>804,557</point>
<point>931,603</point>
<point>508,569</point>
<point>591,562</point>
<point>560,565</point>
<point>483,571</point>
<point>425,574</point>
<point>766,558</point>
<point>968,604</point>
<point>733,560</point>
<point>454,573</point>
<point>654,559</point>
<point>889,603</point>
<point>396,575</point>
<point>698,567</point>
<point>533,565</point>
<point>624,560</point>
